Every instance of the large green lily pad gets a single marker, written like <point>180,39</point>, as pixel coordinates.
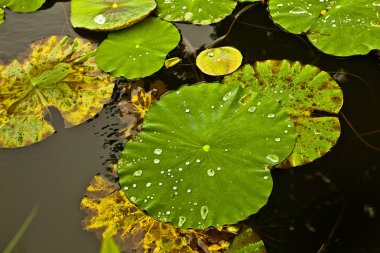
<point>219,61</point>
<point>310,96</point>
<point>109,14</point>
<point>22,5</point>
<point>199,12</point>
<point>138,51</point>
<point>59,73</point>
<point>340,28</point>
<point>203,155</point>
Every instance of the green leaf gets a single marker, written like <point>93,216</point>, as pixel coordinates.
<point>143,48</point>
<point>2,16</point>
<point>203,155</point>
<point>304,92</point>
<point>59,73</point>
<point>172,62</point>
<point>109,15</point>
<point>199,12</point>
<point>109,246</point>
<point>340,28</point>
<point>247,241</point>
<point>22,5</point>
<point>219,61</point>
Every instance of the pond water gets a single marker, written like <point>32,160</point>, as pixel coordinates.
<point>333,201</point>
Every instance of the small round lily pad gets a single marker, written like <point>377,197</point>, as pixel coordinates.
<point>310,96</point>
<point>138,51</point>
<point>219,61</point>
<point>22,5</point>
<point>339,28</point>
<point>204,153</point>
<point>200,12</point>
<point>109,15</point>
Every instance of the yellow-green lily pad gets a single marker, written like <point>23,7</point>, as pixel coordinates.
<point>109,15</point>
<point>59,72</point>
<point>219,61</point>
<point>310,96</point>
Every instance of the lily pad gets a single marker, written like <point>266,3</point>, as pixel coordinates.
<point>310,96</point>
<point>198,12</point>
<point>22,5</point>
<point>60,73</point>
<point>219,61</point>
<point>111,214</point>
<point>203,155</point>
<point>340,28</point>
<point>109,15</point>
<point>138,51</point>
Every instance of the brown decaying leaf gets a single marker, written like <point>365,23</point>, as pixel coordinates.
<point>110,213</point>
<point>134,102</point>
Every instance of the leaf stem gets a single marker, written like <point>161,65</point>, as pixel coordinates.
<point>235,17</point>
<point>21,230</point>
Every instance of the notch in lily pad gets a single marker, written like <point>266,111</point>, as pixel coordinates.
<point>106,15</point>
<point>219,61</point>
<point>204,153</point>
<point>138,51</point>
<point>58,72</point>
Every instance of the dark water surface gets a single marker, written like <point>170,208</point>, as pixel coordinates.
<point>334,201</point>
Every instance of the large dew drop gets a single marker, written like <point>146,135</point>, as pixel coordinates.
<point>157,151</point>
<point>204,212</point>
<point>210,172</point>
<point>298,11</point>
<point>227,96</point>
<point>252,109</point>
<point>273,158</point>
<point>137,173</point>
<point>100,19</point>
<point>181,221</point>
<point>156,161</point>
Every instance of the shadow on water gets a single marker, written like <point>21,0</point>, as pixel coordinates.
<point>331,205</point>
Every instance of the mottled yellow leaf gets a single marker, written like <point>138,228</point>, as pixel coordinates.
<point>111,214</point>
<point>58,72</point>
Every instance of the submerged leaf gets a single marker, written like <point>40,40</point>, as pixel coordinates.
<point>340,28</point>
<point>247,241</point>
<point>138,51</point>
<point>203,148</point>
<point>219,61</point>
<point>109,15</point>
<point>22,5</point>
<point>304,92</point>
<point>198,12</point>
<point>110,214</point>
<point>59,73</point>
